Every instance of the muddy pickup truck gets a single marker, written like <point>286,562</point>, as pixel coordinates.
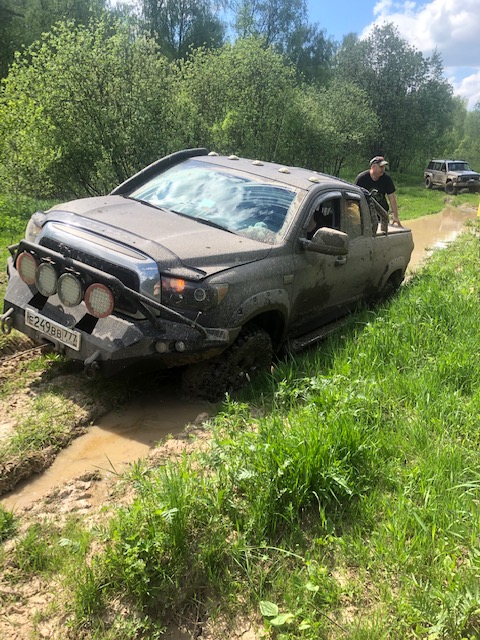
<point>201,261</point>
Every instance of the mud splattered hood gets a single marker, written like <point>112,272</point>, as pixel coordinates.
<point>170,239</point>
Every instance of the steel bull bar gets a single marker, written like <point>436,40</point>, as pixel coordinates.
<point>142,302</point>
<point>6,321</point>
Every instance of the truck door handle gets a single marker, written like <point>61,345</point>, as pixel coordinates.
<point>340,260</point>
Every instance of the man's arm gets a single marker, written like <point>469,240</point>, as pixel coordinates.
<point>394,207</point>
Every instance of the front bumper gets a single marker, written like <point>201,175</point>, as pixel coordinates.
<point>468,183</point>
<point>113,343</point>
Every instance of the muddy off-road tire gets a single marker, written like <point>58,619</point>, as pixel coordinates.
<point>450,189</point>
<point>390,287</point>
<point>251,353</point>
<point>428,182</point>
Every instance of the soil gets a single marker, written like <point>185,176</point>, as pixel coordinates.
<point>26,606</point>
<point>84,479</point>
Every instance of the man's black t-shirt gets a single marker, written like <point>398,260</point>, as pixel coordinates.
<point>384,185</point>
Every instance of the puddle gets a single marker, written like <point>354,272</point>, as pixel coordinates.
<point>117,439</point>
<point>435,232</point>
<point>122,437</point>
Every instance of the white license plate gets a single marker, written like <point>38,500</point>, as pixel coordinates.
<point>53,329</point>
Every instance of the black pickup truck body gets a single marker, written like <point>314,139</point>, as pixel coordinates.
<point>201,260</point>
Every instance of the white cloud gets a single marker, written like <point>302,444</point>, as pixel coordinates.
<point>450,26</point>
<point>468,87</point>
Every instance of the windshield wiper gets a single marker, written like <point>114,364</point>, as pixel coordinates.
<point>212,224</point>
<point>149,204</point>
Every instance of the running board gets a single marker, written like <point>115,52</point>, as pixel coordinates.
<point>297,344</point>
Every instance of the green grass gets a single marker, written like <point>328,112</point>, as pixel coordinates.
<point>7,524</point>
<point>349,508</point>
<point>339,497</point>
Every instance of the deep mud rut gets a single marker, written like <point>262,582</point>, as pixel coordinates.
<point>82,478</point>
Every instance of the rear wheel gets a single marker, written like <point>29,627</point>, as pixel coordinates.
<point>391,286</point>
<point>251,353</point>
<point>428,182</point>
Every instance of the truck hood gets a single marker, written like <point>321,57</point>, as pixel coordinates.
<point>467,174</point>
<point>170,239</point>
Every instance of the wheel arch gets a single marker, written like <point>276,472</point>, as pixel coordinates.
<point>267,310</point>
<point>272,322</point>
<point>394,273</point>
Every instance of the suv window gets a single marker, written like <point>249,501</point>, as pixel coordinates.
<point>458,166</point>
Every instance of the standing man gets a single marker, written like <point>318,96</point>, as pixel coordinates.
<point>376,178</point>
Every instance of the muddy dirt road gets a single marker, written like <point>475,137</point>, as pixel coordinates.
<point>122,437</point>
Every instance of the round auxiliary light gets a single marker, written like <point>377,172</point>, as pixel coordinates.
<point>69,289</point>
<point>46,279</point>
<point>99,300</point>
<point>27,267</point>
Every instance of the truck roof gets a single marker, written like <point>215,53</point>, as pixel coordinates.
<point>292,176</point>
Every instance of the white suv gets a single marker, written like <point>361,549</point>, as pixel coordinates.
<point>451,175</point>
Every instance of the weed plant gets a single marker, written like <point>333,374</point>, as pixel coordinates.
<point>8,524</point>
<point>347,507</point>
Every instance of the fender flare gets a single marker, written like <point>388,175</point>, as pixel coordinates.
<point>262,302</point>
<point>397,264</point>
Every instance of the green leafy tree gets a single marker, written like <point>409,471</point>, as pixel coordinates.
<point>178,25</point>
<point>313,54</point>
<point>469,147</point>
<point>284,26</point>
<point>328,127</point>
<point>84,108</point>
<point>412,100</point>
<point>238,97</point>
<point>273,21</point>
<point>23,21</point>
<point>11,29</point>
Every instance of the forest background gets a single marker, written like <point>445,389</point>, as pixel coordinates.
<point>92,92</point>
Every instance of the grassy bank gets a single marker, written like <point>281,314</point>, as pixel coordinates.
<point>339,499</point>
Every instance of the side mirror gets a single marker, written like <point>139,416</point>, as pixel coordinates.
<point>330,242</point>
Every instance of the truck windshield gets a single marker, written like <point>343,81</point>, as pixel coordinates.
<point>458,166</point>
<point>213,195</point>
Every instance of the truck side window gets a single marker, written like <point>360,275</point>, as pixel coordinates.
<point>327,214</point>
<point>353,219</point>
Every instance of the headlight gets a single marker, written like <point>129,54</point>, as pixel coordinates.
<point>70,289</point>
<point>34,226</point>
<point>99,300</point>
<point>177,292</point>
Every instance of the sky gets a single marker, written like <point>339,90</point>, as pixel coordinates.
<point>450,26</point>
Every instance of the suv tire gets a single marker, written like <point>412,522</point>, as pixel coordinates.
<point>428,182</point>
<point>251,353</point>
<point>450,189</point>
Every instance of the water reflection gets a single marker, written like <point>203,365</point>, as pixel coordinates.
<point>436,231</point>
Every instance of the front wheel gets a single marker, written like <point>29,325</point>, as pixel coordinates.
<point>450,189</point>
<point>428,182</point>
<point>251,353</point>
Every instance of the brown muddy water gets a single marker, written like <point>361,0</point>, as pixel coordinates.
<point>121,437</point>
<point>435,232</point>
